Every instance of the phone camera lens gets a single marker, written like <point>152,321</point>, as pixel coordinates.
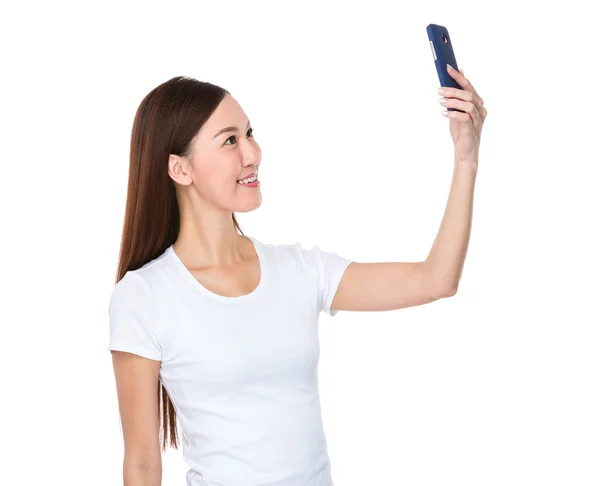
<point>444,38</point>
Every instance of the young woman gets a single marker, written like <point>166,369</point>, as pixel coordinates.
<point>218,329</point>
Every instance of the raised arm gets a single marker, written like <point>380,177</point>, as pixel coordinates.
<point>394,285</point>
<point>383,286</point>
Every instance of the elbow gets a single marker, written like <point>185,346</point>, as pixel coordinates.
<point>137,475</point>
<point>444,290</point>
<point>142,464</point>
<point>453,291</point>
<point>442,287</point>
<point>448,292</point>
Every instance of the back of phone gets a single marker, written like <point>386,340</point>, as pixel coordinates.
<point>443,54</point>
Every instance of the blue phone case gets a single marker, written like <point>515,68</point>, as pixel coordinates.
<point>441,47</point>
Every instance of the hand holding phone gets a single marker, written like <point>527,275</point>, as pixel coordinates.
<point>443,53</point>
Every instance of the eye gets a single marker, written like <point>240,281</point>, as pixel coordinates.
<point>250,131</point>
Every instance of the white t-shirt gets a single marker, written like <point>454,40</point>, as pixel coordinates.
<point>240,371</point>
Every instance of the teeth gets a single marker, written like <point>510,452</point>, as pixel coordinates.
<point>245,181</point>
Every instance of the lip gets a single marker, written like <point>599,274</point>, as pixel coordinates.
<point>246,177</point>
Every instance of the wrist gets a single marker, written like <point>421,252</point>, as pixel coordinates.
<point>470,163</point>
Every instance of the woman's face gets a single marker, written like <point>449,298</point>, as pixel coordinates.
<point>219,159</point>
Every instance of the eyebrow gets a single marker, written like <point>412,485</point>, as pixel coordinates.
<point>229,129</point>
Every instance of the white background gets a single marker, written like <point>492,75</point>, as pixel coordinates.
<point>497,385</point>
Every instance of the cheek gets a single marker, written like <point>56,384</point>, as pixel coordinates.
<point>217,175</point>
<point>221,181</point>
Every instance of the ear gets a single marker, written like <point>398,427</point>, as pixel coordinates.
<point>178,169</point>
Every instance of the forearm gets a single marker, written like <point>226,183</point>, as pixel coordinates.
<point>446,259</point>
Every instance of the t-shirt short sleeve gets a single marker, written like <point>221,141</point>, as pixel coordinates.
<point>329,268</point>
<point>132,318</point>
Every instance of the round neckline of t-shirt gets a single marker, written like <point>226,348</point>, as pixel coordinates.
<point>223,298</point>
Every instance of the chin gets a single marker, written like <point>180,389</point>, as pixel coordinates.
<point>251,206</point>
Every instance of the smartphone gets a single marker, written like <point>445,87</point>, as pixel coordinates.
<point>443,53</point>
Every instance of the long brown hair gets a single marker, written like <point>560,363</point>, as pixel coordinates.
<point>165,123</point>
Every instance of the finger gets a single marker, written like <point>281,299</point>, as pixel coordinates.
<point>469,87</point>
<point>469,108</point>
<point>457,115</point>
<point>465,83</point>
<point>461,94</point>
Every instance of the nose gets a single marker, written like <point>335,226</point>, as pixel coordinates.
<point>252,155</point>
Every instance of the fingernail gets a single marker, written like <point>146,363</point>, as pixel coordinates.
<point>451,67</point>
<point>441,90</point>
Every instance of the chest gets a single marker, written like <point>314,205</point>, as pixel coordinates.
<point>215,347</point>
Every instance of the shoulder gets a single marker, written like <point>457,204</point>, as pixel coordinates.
<point>297,249</point>
<point>307,257</point>
<point>277,251</point>
<point>147,280</point>
<point>132,289</point>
